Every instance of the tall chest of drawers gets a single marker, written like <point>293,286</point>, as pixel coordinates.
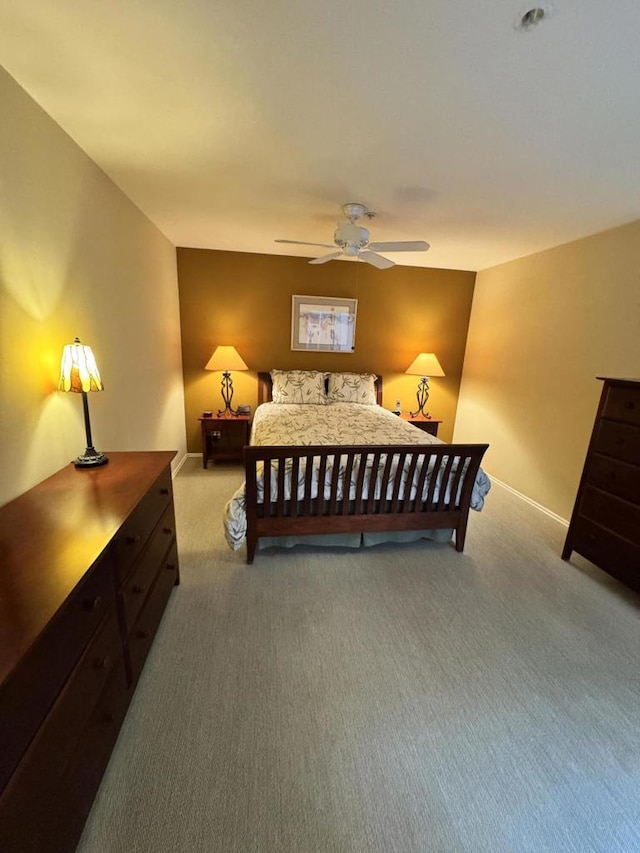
<point>88,559</point>
<point>605,524</point>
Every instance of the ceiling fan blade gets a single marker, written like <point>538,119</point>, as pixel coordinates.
<point>302,243</point>
<point>376,260</point>
<point>402,246</point>
<point>325,258</point>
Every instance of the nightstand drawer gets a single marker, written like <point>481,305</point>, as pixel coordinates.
<point>428,425</point>
<point>612,475</point>
<point>622,404</point>
<point>618,440</point>
<point>223,438</point>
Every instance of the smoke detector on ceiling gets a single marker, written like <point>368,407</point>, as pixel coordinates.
<point>533,16</point>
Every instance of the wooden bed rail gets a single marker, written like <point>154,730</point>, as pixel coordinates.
<point>441,478</point>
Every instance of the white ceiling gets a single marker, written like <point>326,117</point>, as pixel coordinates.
<point>234,122</point>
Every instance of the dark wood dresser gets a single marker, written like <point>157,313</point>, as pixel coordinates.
<point>605,525</point>
<point>88,559</point>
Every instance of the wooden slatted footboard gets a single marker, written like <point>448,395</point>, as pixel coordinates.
<point>441,477</point>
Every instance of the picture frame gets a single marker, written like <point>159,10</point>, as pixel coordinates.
<point>323,323</point>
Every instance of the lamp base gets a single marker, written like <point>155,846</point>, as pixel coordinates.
<point>228,413</point>
<point>91,458</point>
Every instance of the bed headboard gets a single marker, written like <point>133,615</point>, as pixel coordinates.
<point>265,385</point>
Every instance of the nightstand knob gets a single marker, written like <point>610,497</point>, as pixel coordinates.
<point>167,530</point>
<point>93,603</point>
<point>136,589</point>
<point>164,491</point>
<point>133,540</point>
<point>142,634</point>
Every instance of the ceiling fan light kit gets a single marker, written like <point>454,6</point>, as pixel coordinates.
<point>353,241</point>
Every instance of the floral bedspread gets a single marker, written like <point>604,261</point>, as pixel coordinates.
<point>336,423</point>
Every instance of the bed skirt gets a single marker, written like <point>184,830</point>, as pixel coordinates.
<point>354,540</point>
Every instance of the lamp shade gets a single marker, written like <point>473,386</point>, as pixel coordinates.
<point>78,369</point>
<point>425,364</point>
<point>226,359</point>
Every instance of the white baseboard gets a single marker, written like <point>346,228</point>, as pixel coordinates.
<point>495,480</point>
<point>180,464</point>
<point>532,503</point>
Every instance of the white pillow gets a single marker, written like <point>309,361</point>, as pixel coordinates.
<point>298,386</point>
<point>352,388</point>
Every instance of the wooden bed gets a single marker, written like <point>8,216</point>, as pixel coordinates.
<point>443,476</point>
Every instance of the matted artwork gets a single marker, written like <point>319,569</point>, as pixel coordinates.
<point>323,323</point>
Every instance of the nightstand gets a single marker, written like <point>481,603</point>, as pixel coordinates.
<point>224,438</point>
<point>429,425</point>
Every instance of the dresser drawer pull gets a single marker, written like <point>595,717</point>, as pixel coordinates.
<point>164,491</point>
<point>133,540</point>
<point>91,604</point>
<point>142,634</point>
<point>100,663</point>
<point>107,718</point>
<point>136,589</point>
<point>167,530</point>
<point>170,567</point>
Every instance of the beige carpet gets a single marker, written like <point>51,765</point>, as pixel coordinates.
<point>390,699</point>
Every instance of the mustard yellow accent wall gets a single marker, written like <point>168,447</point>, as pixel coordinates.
<point>245,300</point>
<point>542,329</point>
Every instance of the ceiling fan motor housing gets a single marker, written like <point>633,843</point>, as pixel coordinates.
<point>350,235</point>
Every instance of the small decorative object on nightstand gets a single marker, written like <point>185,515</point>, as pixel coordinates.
<point>223,438</point>
<point>427,424</point>
<point>424,365</point>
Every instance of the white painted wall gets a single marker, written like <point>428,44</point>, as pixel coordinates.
<point>78,258</point>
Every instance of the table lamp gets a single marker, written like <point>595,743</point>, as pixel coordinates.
<point>424,365</point>
<point>79,373</point>
<point>226,359</point>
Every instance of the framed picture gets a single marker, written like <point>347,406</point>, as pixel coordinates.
<point>323,323</point>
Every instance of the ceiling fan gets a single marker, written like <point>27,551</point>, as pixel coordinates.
<point>353,241</point>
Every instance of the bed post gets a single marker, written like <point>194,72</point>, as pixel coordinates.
<point>252,541</point>
<point>251,500</point>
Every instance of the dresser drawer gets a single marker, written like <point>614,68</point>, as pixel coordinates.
<point>46,799</point>
<point>618,440</point>
<point>144,630</point>
<point>622,404</point>
<point>615,514</point>
<point>613,476</point>
<point>134,533</point>
<point>136,588</point>
<point>614,555</point>
<point>25,700</point>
